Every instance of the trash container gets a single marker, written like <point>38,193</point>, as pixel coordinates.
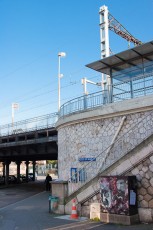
<point>53,203</point>
<point>49,199</point>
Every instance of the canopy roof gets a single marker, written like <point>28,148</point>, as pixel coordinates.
<point>126,59</point>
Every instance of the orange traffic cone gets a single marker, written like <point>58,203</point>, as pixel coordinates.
<point>74,214</point>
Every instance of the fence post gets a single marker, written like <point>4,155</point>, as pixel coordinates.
<point>85,101</point>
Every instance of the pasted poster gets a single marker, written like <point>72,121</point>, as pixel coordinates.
<point>114,195</point>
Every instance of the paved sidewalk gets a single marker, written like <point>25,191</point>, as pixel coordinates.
<point>32,213</point>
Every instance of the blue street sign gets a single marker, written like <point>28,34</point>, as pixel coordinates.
<point>87,159</point>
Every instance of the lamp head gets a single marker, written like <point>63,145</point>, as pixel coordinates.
<point>62,54</point>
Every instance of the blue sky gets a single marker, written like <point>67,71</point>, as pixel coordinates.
<point>34,31</point>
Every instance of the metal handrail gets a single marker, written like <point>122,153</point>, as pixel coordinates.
<point>32,124</point>
<point>138,86</point>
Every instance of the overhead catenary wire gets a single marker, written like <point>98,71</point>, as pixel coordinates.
<point>52,102</point>
<point>48,92</point>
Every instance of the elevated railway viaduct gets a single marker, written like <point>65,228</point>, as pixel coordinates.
<point>39,144</point>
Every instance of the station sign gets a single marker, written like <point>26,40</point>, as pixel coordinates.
<point>83,159</point>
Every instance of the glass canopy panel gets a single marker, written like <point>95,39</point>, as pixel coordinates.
<point>144,49</point>
<point>126,60</point>
<point>130,54</point>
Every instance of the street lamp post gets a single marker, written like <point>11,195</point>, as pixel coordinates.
<point>60,54</point>
<point>14,106</point>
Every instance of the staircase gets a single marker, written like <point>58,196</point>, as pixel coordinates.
<point>125,152</point>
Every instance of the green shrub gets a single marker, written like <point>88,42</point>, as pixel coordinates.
<point>96,219</point>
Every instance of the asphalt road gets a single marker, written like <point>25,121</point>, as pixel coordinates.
<point>26,207</point>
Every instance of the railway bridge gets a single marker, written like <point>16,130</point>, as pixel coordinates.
<point>28,140</point>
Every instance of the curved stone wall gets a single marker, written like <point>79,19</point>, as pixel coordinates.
<point>89,139</point>
<point>89,134</point>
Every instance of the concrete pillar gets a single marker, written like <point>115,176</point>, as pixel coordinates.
<point>7,172</point>
<point>3,168</point>
<point>18,171</point>
<point>34,173</point>
<point>27,170</point>
<point>60,190</point>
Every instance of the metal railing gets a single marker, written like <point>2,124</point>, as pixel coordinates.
<point>141,85</point>
<point>32,124</point>
<point>137,133</point>
<point>82,103</point>
<point>138,86</point>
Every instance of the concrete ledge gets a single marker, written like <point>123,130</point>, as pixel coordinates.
<point>119,219</point>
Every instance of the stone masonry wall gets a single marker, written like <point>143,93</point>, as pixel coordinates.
<point>89,134</point>
<point>91,138</point>
<point>144,175</point>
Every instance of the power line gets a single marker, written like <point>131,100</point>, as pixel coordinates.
<point>54,90</point>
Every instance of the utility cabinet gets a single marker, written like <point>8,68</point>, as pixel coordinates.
<point>119,199</point>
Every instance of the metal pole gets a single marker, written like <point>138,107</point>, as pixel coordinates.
<point>59,83</point>
<point>60,54</point>
<point>14,106</point>
<point>12,116</point>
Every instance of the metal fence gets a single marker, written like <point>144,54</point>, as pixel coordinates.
<point>136,87</point>
<point>36,123</point>
<point>83,103</point>
<point>141,85</point>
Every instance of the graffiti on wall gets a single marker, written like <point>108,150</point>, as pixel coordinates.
<point>114,195</point>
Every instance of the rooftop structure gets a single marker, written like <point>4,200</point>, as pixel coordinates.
<point>127,64</point>
<point>130,76</point>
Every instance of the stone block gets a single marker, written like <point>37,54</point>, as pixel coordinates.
<point>142,173</point>
<point>119,219</point>
<point>151,159</point>
<point>139,177</point>
<point>145,183</point>
<point>145,215</point>
<point>144,204</point>
<point>146,162</point>
<point>135,171</point>
<point>140,166</point>
<point>151,182</point>
<point>150,190</point>
<point>147,176</point>
<point>95,210</point>
<point>151,167</point>
<point>151,203</point>
<point>150,174</point>
<point>145,169</point>
<point>142,191</point>
<point>140,197</point>
<point>147,197</point>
